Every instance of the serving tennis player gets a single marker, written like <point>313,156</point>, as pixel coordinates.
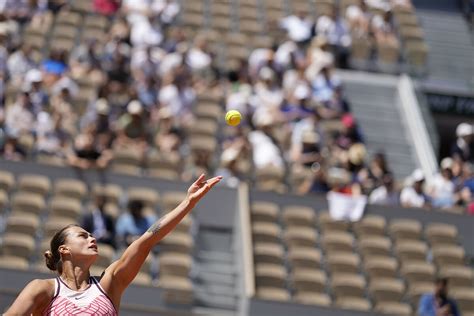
<point>72,252</point>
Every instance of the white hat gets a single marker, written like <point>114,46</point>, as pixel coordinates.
<point>447,163</point>
<point>134,107</point>
<point>34,75</point>
<point>464,129</point>
<point>102,106</point>
<point>417,175</point>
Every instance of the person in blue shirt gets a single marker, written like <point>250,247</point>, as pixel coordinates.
<point>438,303</point>
<point>131,225</point>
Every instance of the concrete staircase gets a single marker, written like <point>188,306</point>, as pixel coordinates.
<point>451,44</point>
<point>373,100</point>
<point>215,275</point>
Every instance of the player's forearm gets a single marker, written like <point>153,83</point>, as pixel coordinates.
<point>167,223</point>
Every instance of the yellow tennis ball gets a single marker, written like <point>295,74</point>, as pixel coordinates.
<point>233,118</point>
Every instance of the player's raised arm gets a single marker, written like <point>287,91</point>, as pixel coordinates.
<point>122,272</point>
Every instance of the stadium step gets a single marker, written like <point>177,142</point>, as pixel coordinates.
<point>373,101</point>
<point>451,47</point>
<point>215,274</point>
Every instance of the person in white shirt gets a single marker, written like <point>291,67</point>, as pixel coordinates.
<point>265,151</point>
<point>461,148</point>
<point>19,118</point>
<point>198,57</point>
<point>298,26</point>
<point>442,188</point>
<point>412,195</point>
<point>386,193</point>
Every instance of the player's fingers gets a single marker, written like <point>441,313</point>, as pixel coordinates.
<point>199,180</point>
<point>213,181</point>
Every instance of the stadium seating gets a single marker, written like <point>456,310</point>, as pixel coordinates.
<point>300,254</point>
<point>374,263</point>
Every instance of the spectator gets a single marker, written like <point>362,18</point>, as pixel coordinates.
<point>383,29</point>
<point>19,118</point>
<point>319,56</point>
<point>132,224</point>
<point>358,17</point>
<point>132,127</point>
<point>350,134</point>
<point>99,223</point>
<point>310,150</point>
<point>265,151</point>
<point>167,10</point>
<point>438,303</point>
<point>55,65</point>
<point>34,85</point>
<point>317,183</point>
<point>198,56</point>
<point>325,84</point>
<point>19,63</point>
<point>461,148</point>
<point>385,194</point>
<point>107,7</point>
<point>51,137</point>
<point>11,150</point>
<point>378,168</point>
<point>412,195</point>
<point>298,26</point>
<point>442,187</point>
<point>86,155</point>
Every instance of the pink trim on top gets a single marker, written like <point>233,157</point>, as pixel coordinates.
<point>103,292</point>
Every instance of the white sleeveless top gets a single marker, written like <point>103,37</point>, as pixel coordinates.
<point>92,301</point>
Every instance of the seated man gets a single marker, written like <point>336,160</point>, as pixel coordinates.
<point>99,223</point>
<point>438,303</point>
<point>131,225</point>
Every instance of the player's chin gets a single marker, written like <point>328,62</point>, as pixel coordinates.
<point>93,250</point>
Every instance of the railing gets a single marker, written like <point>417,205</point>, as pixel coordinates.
<point>246,235</point>
<point>418,132</point>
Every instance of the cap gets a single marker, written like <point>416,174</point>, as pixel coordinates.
<point>417,175</point>
<point>102,106</point>
<point>464,129</point>
<point>134,107</point>
<point>357,153</point>
<point>447,163</point>
<point>34,75</point>
<point>348,120</point>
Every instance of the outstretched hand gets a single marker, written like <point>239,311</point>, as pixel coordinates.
<point>201,186</point>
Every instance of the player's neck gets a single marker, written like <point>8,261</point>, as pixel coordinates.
<point>75,276</point>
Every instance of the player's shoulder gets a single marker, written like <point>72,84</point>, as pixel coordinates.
<point>42,286</point>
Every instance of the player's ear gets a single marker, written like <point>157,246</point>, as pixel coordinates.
<point>64,250</point>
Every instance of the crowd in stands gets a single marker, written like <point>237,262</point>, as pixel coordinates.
<point>148,77</point>
<point>118,232</point>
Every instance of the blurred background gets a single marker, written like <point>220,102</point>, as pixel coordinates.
<point>110,108</point>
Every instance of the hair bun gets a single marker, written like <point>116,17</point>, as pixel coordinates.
<point>50,262</point>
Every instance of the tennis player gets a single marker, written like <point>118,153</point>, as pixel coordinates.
<point>73,251</point>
